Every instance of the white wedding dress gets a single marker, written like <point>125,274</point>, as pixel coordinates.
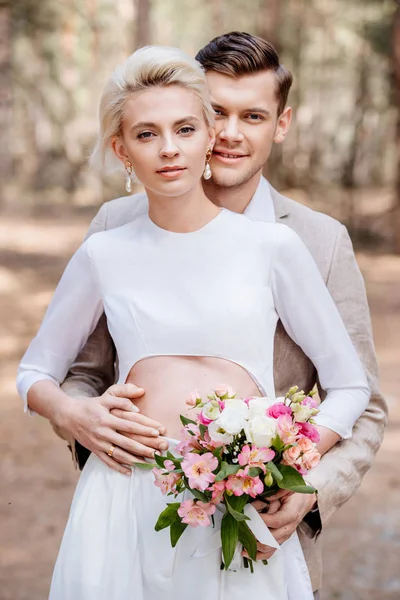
<point>218,291</point>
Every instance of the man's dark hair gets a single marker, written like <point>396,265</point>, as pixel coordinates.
<point>238,53</point>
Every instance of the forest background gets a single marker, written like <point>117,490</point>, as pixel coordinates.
<point>342,156</point>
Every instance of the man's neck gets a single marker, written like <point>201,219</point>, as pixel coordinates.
<point>235,198</point>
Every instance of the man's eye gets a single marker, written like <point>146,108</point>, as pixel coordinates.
<point>254,117</point>
<point>145,135</point>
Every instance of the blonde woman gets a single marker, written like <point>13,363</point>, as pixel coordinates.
<point>192,295</point>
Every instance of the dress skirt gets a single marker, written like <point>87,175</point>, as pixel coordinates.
<point>110,550</point>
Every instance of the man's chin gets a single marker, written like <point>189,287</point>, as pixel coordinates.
<point>228,178</point>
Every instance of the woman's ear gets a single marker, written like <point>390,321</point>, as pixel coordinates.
<point>211,137</point>
<point>117,145</point>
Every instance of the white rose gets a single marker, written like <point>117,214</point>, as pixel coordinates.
<point>217,434</point>
<point>302,412</point>
<point>258,406</point>
<point>261,430</point>
<point>233,418</point>
<point>211,410</point>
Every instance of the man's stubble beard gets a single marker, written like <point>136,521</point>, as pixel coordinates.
<point>233,179</point>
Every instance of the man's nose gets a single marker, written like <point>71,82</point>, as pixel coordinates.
<point>230,131</point>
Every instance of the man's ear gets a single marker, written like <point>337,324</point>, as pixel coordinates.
<point>117,145</point>
<point>282,126</point>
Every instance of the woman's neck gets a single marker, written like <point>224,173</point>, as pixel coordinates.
<point>181,214</point>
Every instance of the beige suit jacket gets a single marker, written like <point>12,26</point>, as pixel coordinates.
<point>341,470</point>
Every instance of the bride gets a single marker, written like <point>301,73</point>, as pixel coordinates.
<point>192,295</point>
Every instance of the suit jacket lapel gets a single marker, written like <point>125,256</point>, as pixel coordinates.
<point>281,204</point>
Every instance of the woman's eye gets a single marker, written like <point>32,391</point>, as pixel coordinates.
<point>217,112</point>
<point>145,135</point>
<point>186,130</point>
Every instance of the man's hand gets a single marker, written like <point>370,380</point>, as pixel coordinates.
<point>284,521</point>
<point>106,422</point>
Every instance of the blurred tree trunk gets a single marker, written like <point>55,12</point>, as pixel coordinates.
<point>5,91</point>
<point>143,36</point>
<point>269,27</point>
<point>396,61</point>
<point>360,106</point>
<point>217,17</point>
<point>269,19</point>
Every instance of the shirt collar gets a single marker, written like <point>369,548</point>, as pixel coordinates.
<point>261,206</point>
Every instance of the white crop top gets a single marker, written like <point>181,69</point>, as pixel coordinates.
<point>218,291</point>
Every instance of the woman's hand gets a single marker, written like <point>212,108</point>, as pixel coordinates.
<point>105,424</point>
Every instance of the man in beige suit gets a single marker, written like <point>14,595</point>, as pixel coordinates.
<point>249,89</point>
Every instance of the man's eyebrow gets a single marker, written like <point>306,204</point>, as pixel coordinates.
<point>262,111</point>
<point>177,123</point>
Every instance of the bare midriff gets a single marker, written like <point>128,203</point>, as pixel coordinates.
<point>168,380</point>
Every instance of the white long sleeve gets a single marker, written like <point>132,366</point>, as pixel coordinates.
<point>312,320</point>
<point>69,320</point>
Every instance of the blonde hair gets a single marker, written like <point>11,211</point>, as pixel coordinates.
<point>147,67</point>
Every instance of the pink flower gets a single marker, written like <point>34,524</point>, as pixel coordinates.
<point>188,442</point>
<point>203,420</point>
<point>305,444</point>
<point>224,391</point>
<point>310,402</point>
<point>198,469</point>
<point>288,430</point>
<point>218,489</point>
<point>309,431</point>
<point>310,459</point>
<point>291,455</point>
<point>166,481</point>
<point>169,465</point>
<point>242,483</point>
<point>255,457</point>
<point>196,513</point>
<point>278,409</point>
<point>299,467</point>
<point>193,397</point>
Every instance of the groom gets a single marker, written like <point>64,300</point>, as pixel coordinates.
<point>249,90</point>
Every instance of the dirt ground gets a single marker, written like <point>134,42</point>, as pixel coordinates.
<point>362,541</point>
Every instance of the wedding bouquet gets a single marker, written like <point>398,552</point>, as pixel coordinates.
<point>232,452</point>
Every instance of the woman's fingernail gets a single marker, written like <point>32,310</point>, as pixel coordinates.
<point>155,432</point>
<point>164,446</point>
<point>157,452</point>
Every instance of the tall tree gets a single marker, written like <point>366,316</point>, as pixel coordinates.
<point>396,63</point>
<point>143,37</point>
<point>5,89</point>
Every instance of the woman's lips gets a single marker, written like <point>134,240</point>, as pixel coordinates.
<point>171,172</point>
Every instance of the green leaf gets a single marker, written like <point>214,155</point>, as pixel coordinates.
<point>200,495</point>
<point>202,429</point>
<point>168,516</point>
<point>229,538</point>
<point>177,528</point>
<point>144,466</point>
<point>277,444</point>
<point>247,538</point>
<point>277,475</point>
<point>293,481</point>
<point>254,471</point>
<point>237,515</point>
<point>226,470</point>
<point>239,502</point>
<point>160,460</point>
<point>185,421</point>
